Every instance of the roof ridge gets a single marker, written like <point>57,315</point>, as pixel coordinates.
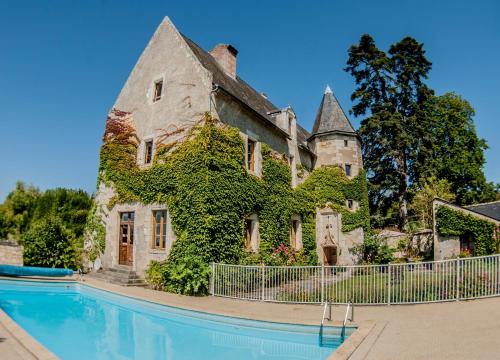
<point>485,203</point>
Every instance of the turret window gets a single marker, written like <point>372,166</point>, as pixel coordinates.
<point>350,204</point>
<point>348,169</point>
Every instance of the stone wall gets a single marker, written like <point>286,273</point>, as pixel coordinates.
<point>10,253</point>
<point>143,251</point>
<point>331,150</point>
<point>329,234</point>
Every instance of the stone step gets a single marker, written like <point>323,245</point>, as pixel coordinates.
<point>121,269</point>
<point>119,277</point>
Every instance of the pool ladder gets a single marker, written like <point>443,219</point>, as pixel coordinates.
<point>328,305</point>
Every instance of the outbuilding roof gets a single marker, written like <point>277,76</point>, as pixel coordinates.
<point>491,209</point>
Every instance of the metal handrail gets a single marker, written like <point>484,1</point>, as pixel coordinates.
<point>327,303</point>
<point>349,306</point>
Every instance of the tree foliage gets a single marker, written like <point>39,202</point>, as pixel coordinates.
<point>409,134</point>
<point>390,89</point>
<point>454,151</point>
<point>26,205</point>
<point>421,204</point>
<point>49,244</point>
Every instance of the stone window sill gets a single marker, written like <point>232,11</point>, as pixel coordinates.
<point>157,251</point>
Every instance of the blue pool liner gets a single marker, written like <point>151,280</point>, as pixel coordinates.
<point>13,270</point>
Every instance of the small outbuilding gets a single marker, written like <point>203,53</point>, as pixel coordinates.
<point>465,231</point>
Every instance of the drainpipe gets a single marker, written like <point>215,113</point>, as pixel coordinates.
<point>215,88</point>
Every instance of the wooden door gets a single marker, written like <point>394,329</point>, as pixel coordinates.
<point>330,255</point>
<point>126,246</point>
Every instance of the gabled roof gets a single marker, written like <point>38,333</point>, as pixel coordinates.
<point>471,209</point>
<point>491,209</point>
<point>330,116</point>
<point>241,90</point>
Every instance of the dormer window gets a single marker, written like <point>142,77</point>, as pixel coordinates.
<point>158,90</point>
<point>148,151</point>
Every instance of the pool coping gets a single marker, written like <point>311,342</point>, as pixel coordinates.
<point>343,352</point>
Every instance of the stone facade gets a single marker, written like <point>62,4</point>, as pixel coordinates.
<point>172,85</point>
<point>10,253</point>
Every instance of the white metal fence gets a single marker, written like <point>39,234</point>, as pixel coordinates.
<point>406,283</point>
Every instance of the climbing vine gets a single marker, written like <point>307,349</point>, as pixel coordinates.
<point>209,193</point>
<point>451,222</point>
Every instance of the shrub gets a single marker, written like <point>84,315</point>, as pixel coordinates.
<point>191,276</point>
<point>49,244</point>
<point>374,250</point>
<point>154,275</point>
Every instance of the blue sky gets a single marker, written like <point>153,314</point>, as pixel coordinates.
<point>62,64</point>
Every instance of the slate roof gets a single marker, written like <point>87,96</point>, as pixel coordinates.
<point>240,89</point>
<point>330,116</point>
<point>491,209</point>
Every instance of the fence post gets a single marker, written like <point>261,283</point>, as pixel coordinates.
<point>212,279</point>
<point>389,284</point>
<point>322,283</point>
<point>457,283</point>
<point>263,269</point>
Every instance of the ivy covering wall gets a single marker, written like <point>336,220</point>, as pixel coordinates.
<point>209,193</point>
<point>451,222</point>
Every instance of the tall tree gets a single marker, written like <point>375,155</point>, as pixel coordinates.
<point>391,91</point>
<point>456,153</point>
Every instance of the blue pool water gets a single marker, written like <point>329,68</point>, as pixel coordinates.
<point>79,322</point>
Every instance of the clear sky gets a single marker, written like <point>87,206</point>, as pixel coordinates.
<point>62,64</point>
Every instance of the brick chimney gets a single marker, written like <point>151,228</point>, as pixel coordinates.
<point>226,57</point>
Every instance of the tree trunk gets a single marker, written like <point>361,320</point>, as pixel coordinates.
<point>402,191</point>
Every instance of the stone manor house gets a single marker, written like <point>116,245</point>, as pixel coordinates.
<point>172,85</point>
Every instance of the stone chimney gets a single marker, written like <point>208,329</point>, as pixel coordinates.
<point>226,57</point>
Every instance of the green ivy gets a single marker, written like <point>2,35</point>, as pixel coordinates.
<point>451,222</point>
<point>209,193</point>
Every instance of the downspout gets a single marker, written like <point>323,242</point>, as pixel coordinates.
<point>215,88</point>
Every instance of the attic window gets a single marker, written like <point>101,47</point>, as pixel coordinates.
<point>148,151</point>
<point>158,89</point>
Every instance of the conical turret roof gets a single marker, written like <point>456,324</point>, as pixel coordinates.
<point>330,116</point>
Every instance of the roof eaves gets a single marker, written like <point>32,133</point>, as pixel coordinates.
<point>341,132</point>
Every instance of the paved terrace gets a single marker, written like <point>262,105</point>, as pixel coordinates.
<point>453,330</point>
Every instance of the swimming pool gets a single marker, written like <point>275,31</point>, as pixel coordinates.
<point>75,321</point>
